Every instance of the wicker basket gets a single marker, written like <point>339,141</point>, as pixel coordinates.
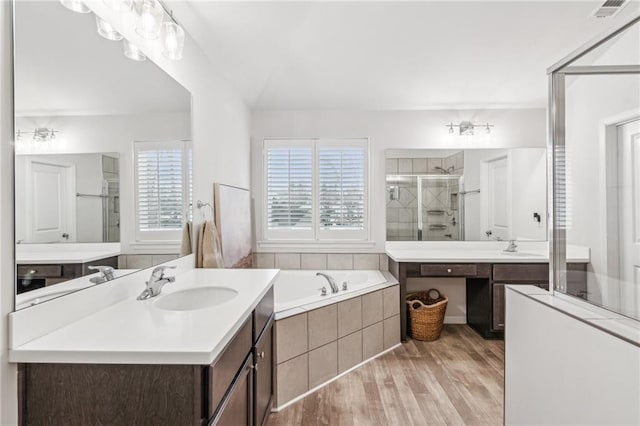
<point>426,318</point>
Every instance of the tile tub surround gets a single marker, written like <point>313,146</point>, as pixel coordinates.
<point>313,347</point>
<point>321,261</point>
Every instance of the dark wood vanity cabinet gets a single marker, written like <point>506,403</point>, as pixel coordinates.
<point>234,390</point>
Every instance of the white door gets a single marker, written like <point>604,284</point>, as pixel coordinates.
<point>497,200</point>
<point>50,203</point>
<point>629,217</point>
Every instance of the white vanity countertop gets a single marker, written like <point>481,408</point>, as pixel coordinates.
<point>137,332</point>
<point>478,252</point>
<point>65,252</point>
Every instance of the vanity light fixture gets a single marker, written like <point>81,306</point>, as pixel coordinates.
<point>120,5</point>
<point>173,41</point>
<point>40,134</point>
<point>132,52</point>
<point>106,30</point>
<point>150,14</point>
<point>77,6</point>
<point>467,128</point>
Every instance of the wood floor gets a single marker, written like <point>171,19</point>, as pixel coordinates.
<point>456,380</point>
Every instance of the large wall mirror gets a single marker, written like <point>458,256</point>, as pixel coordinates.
<point>466,195</point>
<point>103,155</point>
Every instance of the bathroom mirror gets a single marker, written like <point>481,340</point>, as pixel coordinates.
<point>103,155</point>
<point>466,195</point>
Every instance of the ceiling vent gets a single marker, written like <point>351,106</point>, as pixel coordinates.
<point>609,9</point>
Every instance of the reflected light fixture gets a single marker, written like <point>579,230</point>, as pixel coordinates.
<point>467,128</point>
<point>132,52</point>
<point>75,5</point>
<point>172,41</point>
<point>106,30</point>
<point>120,5</point>
<point>149,20</point>
<point>40,134</point>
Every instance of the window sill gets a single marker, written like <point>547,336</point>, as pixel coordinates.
<point>334,246</point>
<point>154,247</point>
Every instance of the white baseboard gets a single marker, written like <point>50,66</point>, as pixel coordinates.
<point>455,319</point>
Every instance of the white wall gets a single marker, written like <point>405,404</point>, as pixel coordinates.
<point>220,131</point>
<point>561,371</point>
<point>390,130</point>
<point>113,134</point>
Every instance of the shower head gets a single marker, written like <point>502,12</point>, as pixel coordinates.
<point>446,171</point>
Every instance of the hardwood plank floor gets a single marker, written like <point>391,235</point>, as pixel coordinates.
<point>456,380</point>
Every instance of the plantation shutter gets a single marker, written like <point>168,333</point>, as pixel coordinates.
<point>341,185</point>
<point>289,186</point>
<point>564,190</point>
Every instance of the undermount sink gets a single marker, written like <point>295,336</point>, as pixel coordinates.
<point>196,298</point>
<point>521,254</point>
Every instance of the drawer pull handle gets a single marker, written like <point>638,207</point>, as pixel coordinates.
<point>33,271</point>
<point>449,270</point>
<point>261,354</point>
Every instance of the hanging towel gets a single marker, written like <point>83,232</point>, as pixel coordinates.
<point>209,248</point>
<point>185,247</point>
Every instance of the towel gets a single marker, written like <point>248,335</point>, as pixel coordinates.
<point>209,247</point>
<point>186,247</point>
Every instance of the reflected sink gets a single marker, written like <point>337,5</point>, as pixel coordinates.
<point>196,298</point>
<point>522,254</point>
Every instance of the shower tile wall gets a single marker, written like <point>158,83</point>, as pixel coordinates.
<point>439,205</point>
<point>111,178</point>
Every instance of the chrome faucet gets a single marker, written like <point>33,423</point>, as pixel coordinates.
<point>512,247</point>
<point>106,271</point>
<point>332,282</point>
<point>156,282</point>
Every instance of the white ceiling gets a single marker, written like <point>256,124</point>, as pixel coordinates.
<point>63,67</point>
<point>391,55</point>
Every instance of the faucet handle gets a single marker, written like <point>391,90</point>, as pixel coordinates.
<point>106,271</point>
<point>159,270</point>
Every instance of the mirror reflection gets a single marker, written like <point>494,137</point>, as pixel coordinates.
<point>466,195</point>
<point>103,156</point>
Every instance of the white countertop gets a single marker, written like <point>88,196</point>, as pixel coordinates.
<point>65,252</point>
<point>137,332</point>
<point>478,252</point>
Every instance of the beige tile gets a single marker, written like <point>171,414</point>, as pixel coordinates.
<point>323,364</point>
<point>405,165</point>
<point>316,261</point>
<point>323,326</point>
<point>391,331</point>
<point>392,166</point>
<point>265,260</point>
<point>162,258</point>
<point>349,316</point>
<point>340,261</point>
<point>371,308</point>
<point>372,340</point>
<point>292,379</point>
<point>366,261</point>
<point>122,261</point>
<point>287,261</point>
<point>349,351</point>
<point>391,301</point>
<point>384,262</point>
<point>419,165</point>
<point>139,261</point>
<point>432,163</point>
<point>291,337</point>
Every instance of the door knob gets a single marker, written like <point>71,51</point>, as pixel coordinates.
<point>65,236</point>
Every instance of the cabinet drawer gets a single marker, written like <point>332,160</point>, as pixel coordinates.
<point>521,272</point>
<point>262,314</point>
<point>39,271</point>
<point>449,270</point>
<point>225,368</point>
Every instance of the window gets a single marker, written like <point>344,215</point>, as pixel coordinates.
<point>316,189</point>
<point>162,189</point>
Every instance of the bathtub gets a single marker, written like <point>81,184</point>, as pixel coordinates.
<point>295,288</point>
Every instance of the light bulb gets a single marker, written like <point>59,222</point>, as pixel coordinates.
<point>132,52</point>
<point>119,5</point>
<point>106,30</point>
<point>77,6</point>
<point>173,41</point>
<point>150,15</point>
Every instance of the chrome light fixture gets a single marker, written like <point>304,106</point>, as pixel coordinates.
<point>120,5</point>
<point>132,52</point>
<point>149,20</point>
<point>77,6</point>
<point>40,134</point>
<point>173,41</point>
<point>467,128</point>
<point>106,30</point>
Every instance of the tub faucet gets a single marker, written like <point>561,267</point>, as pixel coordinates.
<point>332,282</point>
<point>512,247</point>
<point>156,282</point>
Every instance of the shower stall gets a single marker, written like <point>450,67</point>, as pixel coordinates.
<point>427,207</point>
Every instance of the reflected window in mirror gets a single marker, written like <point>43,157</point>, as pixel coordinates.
<point>466,195</point>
